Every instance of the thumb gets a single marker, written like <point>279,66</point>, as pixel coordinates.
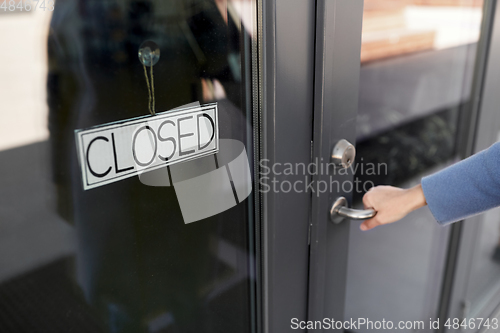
<point>369,224</point>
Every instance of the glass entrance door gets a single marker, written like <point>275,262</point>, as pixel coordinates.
<point>409,107</point>
<point>416,86</point>
<point>475,295</point>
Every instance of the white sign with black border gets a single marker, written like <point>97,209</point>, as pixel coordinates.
<point>112,152</point>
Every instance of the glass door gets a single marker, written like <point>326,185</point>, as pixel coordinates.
<point>476,293</point>
<point>415,98</point>
<point>398,80</point>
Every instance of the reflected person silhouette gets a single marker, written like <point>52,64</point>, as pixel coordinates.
<point>140,268</point>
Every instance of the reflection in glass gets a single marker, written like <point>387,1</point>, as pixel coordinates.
<point>416,75</point>
<point>417,62</point>
<point>119,258</point>
<point>483,279</point>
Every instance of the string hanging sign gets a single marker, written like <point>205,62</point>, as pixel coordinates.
<point>111,152</point>
<point>149,54</point>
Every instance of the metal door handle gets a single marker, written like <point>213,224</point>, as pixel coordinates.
<point>340,211</point>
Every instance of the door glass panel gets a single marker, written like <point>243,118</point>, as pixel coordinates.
<point>119,258</point>
<point>417,64</point>
<point>483,280</point>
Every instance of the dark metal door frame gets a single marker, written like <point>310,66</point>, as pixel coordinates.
<point>287,68</point>
<point>338,46</point>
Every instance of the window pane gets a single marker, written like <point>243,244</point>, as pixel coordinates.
<point>417,63</point>
<point>118,258</point>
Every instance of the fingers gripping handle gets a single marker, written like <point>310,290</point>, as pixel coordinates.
<point>340,211</point>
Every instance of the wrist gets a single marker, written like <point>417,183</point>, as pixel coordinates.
<point>415,197</point>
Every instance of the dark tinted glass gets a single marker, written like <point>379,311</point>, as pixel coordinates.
<point>118,258</point>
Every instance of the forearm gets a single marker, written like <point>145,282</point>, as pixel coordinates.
<point>461,190</point>
<point>466,188</point>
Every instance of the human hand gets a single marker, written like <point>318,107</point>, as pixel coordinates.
<point>391,204</point>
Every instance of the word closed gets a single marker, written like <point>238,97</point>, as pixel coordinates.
<point>112,152</point>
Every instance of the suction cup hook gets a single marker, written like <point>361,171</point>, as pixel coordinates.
<point>149,53</point>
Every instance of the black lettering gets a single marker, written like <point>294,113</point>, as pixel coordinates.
<point>213,130</point>
<point>118,170</point>
<point>181,153</point>
<point>170,138</point>
<point>99,175</point>
<point>133,146</point>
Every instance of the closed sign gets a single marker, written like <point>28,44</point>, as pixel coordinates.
<point>112,152</point>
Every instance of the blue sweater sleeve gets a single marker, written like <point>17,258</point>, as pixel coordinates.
<point>466,188</point>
